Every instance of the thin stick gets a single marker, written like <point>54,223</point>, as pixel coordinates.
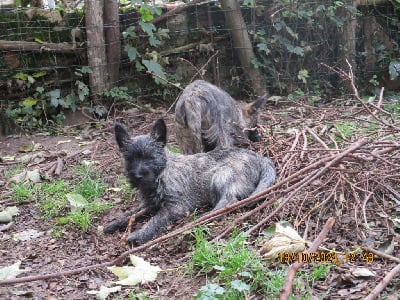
<point>384,282</point>
<point>315,136</point>
<point>381,254</point>
<point>310,178</point>
<point>287,287</point>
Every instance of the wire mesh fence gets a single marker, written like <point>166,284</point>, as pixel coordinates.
<point>46,49</point>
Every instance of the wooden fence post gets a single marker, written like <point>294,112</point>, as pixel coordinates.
<point>96,50</point>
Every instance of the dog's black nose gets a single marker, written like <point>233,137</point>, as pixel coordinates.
<point>141,173</point>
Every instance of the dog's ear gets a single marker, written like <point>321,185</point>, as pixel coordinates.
<point>159,132</point>
<point>122,136</point>
<point>253,107</point>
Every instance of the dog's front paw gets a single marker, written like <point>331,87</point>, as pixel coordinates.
<point>115,225</point>
<point>136,238</point>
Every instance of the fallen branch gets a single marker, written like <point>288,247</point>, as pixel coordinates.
<point>330,161</point>
<point>350,78</point>
<point>176,11</point>
<point>59,166</point>
<point>384,282</point>
<point>381,254</point>
<point>287,286</point>
<point>308,180</point>
<point>39,47</point>
<point>119,260</point>
<point>132,220</point>
<point>291,183</point>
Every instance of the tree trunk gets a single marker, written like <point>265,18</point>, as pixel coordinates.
<point>242,44</point>
<point>113,43</point>
<point>8,125</point>
<point>96,51</point>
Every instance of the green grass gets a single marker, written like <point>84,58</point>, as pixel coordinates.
<point>21,192</point>
<point>138,295</point>
<point>51,195</point>
<point>126,192</point>
<point>14,170</point>
<point>393,108</point>
<point>347,129</point>
<point>234,271</point>
<point>173,149</point>
<point>52,200</point>
<point>320,271</point>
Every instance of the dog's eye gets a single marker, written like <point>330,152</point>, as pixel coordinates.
<point>146,156</point>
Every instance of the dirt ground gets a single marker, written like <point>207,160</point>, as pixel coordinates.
<point>295,137</point>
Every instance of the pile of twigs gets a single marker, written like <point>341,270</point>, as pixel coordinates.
<point>324,172</point>
<point>352,178</point>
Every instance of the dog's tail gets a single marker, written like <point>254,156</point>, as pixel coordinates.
<point>267,176</point>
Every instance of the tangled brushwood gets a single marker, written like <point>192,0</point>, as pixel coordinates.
<point>340,161</point>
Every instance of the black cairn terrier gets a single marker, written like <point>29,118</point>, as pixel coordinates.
<point>171,185</point>
<point>207,118</point>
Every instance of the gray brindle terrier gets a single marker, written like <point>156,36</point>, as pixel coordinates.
<point>208,118</point>
<point>170,185</point>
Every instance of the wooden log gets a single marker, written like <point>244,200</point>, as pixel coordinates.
<point>67,48</point>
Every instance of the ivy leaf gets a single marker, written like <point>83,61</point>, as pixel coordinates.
<point>130,32</point>
<point>39,74</point>
<point>240,285</point>
<point>163,33</point>
<point>219,268</point>
<point>31,80</point>
<point>39,41</point>
<point>86,70</point>
<point>278,26</point>
<point>256,64</point>
<point>40,89</point>
<point>132,52</point>
<point>145,14</point>
<point>76,201</point>
<point>141,272</point>
<point>29,101</point>
<point>21,76</point>
<point>155,42</point>
<point>148,28</point>
<point>292,33</point>
<point>394,69</point>
<point>100,110</point>
<point>54,97</point>
<point>154,68</point>
<point>263,47</point>
<point>209,291</point>
<point>70,102</point>
<point>157,10</point>
<point>245,274</point>
<point>303,75</point>
<point>298,50</point>
<point>83,90</point>
<point>139,66</point>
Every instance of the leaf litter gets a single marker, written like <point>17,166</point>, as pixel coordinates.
<point>346,199</point>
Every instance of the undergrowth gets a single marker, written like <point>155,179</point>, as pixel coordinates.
<point>76,202</point>
<point>234,271</point>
